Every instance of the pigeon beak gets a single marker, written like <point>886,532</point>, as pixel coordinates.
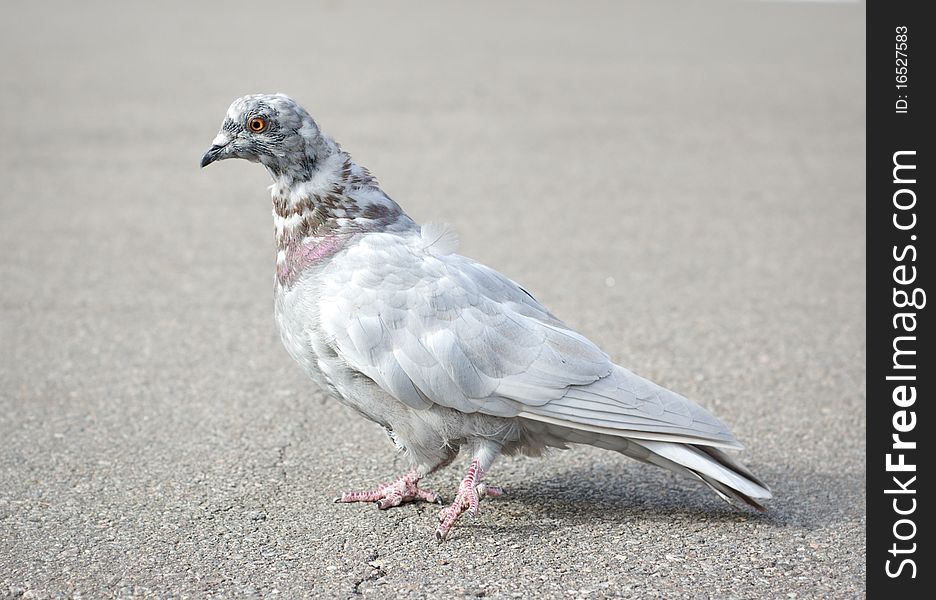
<point>216,152</point>
<point>213,154</point>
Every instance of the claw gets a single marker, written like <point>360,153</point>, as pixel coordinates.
<point>469,495</point>
<point>388,495</point>
<point>492,491</point>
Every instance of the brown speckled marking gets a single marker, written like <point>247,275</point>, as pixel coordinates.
<point>376,211</point>
<point>319,213</point>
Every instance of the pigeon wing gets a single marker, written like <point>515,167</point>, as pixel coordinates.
<point>433,328</point>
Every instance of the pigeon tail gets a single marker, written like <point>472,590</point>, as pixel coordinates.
<point>698,458</point>
<point>730,479</point>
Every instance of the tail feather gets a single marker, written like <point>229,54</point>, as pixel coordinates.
<point>730,479</point>
<point>726,476</point>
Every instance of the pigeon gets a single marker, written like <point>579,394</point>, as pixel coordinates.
<point>442,351</point>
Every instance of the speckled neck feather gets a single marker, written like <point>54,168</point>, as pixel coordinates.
<point>313,218</point>
<point>318,211</point>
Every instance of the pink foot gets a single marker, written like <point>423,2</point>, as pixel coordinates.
<point>392,494</point>
<point>469,494</point>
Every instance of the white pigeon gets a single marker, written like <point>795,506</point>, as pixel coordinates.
<point>442,351</point>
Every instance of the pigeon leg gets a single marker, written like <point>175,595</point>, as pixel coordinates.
<point>395,493</point>
<point>469,494</point>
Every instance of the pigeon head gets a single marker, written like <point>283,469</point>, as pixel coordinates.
<point>274,130</point>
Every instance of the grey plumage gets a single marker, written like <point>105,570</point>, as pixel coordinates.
<point>441,350</point>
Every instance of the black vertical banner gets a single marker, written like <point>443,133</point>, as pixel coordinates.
<point>900,229</point>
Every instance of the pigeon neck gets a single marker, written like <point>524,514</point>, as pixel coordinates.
<point>339,197</point>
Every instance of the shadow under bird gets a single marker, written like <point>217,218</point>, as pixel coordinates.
<point>442,351</point>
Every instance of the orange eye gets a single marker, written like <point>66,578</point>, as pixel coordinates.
<point>256,124</point>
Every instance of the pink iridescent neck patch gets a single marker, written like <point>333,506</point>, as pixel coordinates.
<point>307,254</point>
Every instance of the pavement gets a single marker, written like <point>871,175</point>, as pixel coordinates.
<point>682,182</point>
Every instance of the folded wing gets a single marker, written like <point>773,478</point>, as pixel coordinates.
<point>443,329</point>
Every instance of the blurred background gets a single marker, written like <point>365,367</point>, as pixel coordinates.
<point>681,181</point>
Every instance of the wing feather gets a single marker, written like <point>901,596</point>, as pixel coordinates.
<point>432,328</point>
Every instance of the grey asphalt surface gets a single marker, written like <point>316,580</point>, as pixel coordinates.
<point>683,182</point>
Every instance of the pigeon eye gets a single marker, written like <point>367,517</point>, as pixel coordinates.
<point>256,124</point>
